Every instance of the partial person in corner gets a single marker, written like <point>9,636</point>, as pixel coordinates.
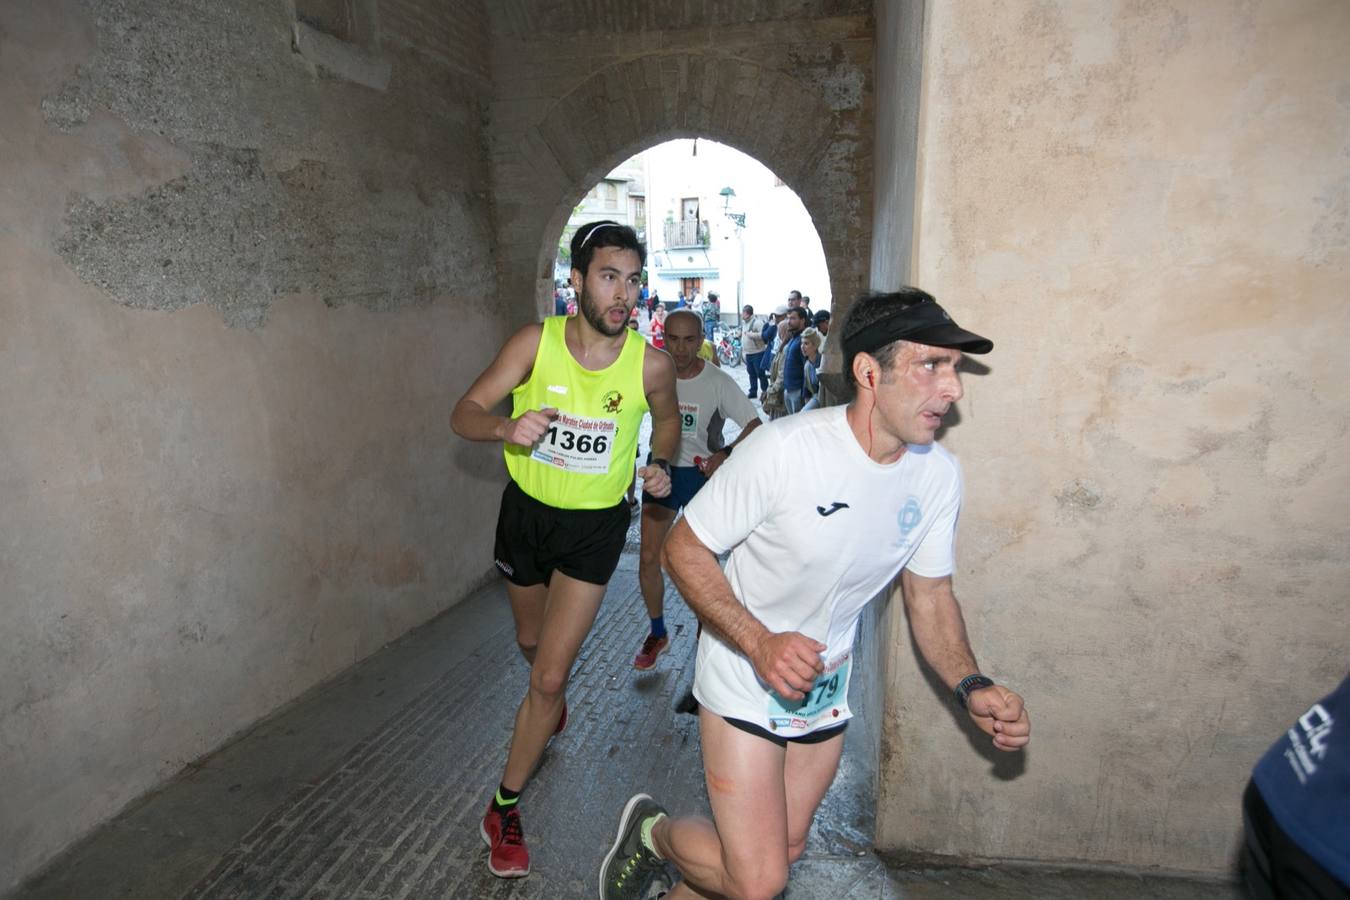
<point>1296,810</point>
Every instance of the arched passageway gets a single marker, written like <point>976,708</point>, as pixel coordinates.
<point>715,221</point>
<point>812,134</point>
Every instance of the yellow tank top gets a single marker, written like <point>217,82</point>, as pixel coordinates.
<point>585,460</point>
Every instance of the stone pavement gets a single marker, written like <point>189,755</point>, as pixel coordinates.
<point>372,786</point>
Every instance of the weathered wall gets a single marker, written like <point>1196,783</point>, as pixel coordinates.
<point>581,85</point>
<point>233,289</point>
<point>1145,206</point>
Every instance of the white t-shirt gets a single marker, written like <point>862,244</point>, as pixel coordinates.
<point>706,401</point>
<point>816,529</point>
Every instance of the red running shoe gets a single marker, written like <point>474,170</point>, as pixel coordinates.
<point>508,857</point>
<point>652,647</point>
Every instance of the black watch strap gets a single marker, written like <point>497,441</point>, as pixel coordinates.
<point>971,683</point>
<point>662,464</point>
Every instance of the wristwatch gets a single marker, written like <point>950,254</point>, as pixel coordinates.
<point>971,683</point>
<point>662,464</point>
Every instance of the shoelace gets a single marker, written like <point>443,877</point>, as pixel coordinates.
<point>639,863</point>
<point>512,833</point>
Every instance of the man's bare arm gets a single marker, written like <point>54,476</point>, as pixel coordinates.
<point>658,382</point>
<point>714,462</point>
<point>940,631</point>
<point>472,417</point>
<point>658,378</point>
<point>787,661</point>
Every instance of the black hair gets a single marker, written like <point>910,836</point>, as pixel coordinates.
<point>822,315</point>
<point>801,313</point>
<point>748,308</point>
<point>874,307</point>
<point>605,233</point>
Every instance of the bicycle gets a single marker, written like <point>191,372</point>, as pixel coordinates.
<point>729,347</point>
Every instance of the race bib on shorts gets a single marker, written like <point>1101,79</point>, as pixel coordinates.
<point>688,419</point>
<point>577,444</point>
<point>826,702</point>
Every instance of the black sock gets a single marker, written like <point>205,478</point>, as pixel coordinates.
<point>505,799</point>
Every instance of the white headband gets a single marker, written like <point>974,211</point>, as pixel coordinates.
<point>595,229</point>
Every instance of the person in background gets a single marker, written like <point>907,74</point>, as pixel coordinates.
<point>708,353</point>
<point>708,399</point>
<point>754,348</point>
<point>794,364</point>
<point>712,312</point>
<point>659,328</point>
<point>811,343</point>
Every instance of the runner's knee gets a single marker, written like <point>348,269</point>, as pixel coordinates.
<point>548,685</point>
<point>527,649</point>
<point>795,850</point>
<point>760,880</point>
<point>649,557</point>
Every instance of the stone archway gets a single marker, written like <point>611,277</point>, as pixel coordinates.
<point>812,139</point>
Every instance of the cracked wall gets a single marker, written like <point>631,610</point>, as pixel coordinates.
<point>1144,207</point>
<point>288,188</point>
<point>235,281</point>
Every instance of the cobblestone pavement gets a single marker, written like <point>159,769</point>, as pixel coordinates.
<point>399,816</point>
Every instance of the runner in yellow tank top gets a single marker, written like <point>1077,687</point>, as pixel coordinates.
<point>585,458</point>
<point>579,385</point>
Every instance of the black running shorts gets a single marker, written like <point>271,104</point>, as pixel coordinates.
<point>534,540</point>
<point>819,736</point>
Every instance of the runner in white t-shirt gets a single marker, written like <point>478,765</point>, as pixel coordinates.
<point>708,398</point>
<point>878,498</point>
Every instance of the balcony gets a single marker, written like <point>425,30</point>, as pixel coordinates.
<point>689,233</point>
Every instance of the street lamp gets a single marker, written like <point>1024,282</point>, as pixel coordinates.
<point>738,219</point>
<point>727,193</point>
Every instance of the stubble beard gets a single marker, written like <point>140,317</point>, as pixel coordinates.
<point>593,316</point>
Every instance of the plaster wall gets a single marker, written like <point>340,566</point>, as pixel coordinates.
<point>234,284</point>
<point>1145,207</point>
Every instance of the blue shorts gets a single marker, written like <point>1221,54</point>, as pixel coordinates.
<point>684,484</point>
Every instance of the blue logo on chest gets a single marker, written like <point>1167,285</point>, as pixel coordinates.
<point>910,516</point>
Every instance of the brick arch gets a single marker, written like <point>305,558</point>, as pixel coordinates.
<point>626,108</point>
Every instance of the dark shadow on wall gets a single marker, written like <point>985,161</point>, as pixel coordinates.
<point>1003,765</point>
